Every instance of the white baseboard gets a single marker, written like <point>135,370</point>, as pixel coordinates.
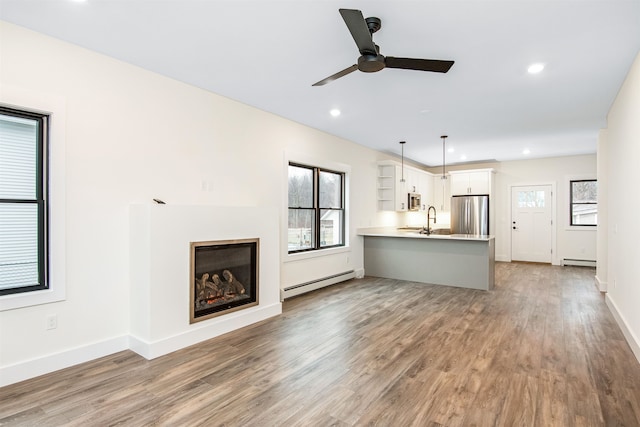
<point>64,359</point>
<point>503,258</point>
<point>628,334</point>
<point>206,330</point>
<point>602,286</point>
<point>46,364</point>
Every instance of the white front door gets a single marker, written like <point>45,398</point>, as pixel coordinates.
<point>531,223</point>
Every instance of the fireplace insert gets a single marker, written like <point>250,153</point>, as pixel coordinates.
<point>224,277</point>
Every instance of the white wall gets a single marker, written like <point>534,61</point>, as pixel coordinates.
<point>623,175</point>
<point>602,269</point>
<point>572,243</point>
<point>131,136</point>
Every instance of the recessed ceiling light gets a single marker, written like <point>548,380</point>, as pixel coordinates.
<point>335,112</point>
<point>450,150</point>
<point>535,68</point>
<point>463,157</point>
<point>526,151</point>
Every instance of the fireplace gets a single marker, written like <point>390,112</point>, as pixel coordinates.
<point>224,277</point>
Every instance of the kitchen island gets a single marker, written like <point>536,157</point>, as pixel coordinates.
<point>460,260</point>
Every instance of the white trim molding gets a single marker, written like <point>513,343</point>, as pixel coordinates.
<point>54,362</point>
<point>55,106</point>
<point>632,340</point>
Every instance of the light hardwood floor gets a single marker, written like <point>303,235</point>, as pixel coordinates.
<point>541,349</point>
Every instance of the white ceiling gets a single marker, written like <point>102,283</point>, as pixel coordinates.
<point>268,53</point>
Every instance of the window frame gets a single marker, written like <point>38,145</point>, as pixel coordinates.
<point>572,203</point>
<point>317,226</point>
<point>41,177</point>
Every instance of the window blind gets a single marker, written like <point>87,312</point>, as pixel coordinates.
<point>19,202</point>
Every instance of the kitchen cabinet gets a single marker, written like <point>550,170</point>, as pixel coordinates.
<point>425,185</point>
<point>392,193</point>
<point>441,193</point>
<point>470,182</point>
<point>452,260</point>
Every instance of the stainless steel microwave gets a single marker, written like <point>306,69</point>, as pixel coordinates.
<point>414,202</point>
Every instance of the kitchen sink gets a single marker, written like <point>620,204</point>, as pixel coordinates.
<point>438,231</point>
<point>441,231</point>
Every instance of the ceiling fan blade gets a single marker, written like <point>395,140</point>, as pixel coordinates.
<point>359,30</point>
<point>336,76</point>
<point>434,65</point>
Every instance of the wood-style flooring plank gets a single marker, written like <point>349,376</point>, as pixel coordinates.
<point>541,349</point>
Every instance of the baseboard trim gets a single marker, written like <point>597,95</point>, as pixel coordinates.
<point>54,362</point>
<point>149,350</point>
<point>203,332</point>
<point>602,286</point>
<point>628,334</point>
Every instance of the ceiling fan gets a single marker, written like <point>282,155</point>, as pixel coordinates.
<point>371,60</point>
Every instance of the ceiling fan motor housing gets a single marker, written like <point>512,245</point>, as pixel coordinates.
<point>370,63</point>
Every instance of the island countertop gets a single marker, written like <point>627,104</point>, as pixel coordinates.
<point>413,233</point>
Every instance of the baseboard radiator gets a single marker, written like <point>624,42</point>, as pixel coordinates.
<point>312,285</point>
<point>579,262</point>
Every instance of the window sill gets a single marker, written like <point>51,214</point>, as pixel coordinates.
<point>316,254</point>
<point>581,228</point>
<point>28,299</point>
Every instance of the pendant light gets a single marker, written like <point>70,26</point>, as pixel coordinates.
<point>444,176</point>
<point>402,151</point>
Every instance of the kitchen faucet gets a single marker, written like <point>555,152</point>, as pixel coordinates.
<point>426,229</point>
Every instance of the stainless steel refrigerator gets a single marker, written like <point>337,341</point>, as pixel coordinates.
<point>470,214</point>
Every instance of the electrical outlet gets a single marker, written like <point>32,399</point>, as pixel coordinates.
<point>52,321</point>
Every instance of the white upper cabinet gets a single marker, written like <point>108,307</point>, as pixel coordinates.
<point>441,193</point>
<point>471,182</point>
<point>402,191</point>
<point>393,193</point>
<point>425,185</point>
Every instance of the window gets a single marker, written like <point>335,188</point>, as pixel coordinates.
<point>316,208</point>
<point>584,202</point>
<point>531,199</point>
<point>23,204</point>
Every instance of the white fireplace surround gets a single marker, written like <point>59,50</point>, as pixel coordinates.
<point>159,256</point>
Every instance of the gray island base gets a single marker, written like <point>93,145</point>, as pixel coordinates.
<point>459,260</point>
